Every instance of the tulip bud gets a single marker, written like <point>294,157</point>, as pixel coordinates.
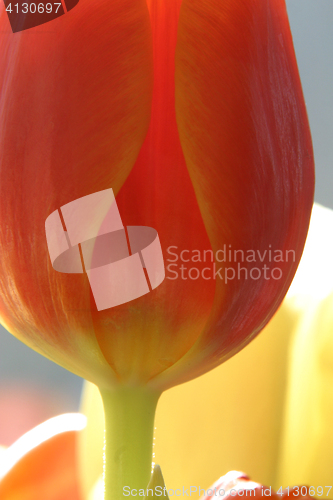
<point>215,155</point>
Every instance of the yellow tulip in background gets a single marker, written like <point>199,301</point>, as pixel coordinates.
<point>268,411</point>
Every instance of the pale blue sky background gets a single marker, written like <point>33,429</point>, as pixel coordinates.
<point>311,23</point>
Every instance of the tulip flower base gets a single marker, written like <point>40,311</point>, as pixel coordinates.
<point>129,430</point>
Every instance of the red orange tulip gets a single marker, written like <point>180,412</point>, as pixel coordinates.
<point>192,112</point>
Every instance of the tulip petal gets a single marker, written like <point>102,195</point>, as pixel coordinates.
<point>54,313</point>
<point>245,136</point>
<point>142,338</point>
<point>71,123</point>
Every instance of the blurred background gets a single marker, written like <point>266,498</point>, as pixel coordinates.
<point>32,388</point>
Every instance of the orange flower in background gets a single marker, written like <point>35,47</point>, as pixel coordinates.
<point>193,113</point>
<point>41,464</point>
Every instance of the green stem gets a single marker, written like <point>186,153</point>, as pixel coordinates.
<point>129,430</point>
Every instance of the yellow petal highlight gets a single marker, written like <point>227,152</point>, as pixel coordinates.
<point>97,492</point>
<point>230,418</point>
<point>91,441</point>
<point>307,452</point>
